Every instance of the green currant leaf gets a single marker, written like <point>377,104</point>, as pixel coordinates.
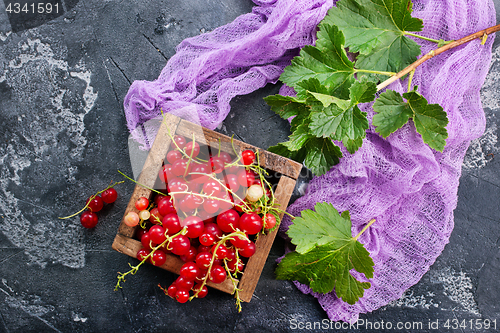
<point>327,62</point>
<point>325,254</point>
<point>286,106</point>
<point>322,154</point>
<point>352,145</point>
<point>377,30</point>
<point>393,112</point>
<point>319,227</point>
<point>430,120</point>
<point>298,138</point>
<point>282,150</point>
<point>341,119</point>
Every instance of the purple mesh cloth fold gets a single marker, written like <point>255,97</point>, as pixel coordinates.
<point>208,70</point>
<point>408,188</point>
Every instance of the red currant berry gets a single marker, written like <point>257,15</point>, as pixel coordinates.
<point>142,254</point>
<point>207,239</point>
<point>189,149</point>
<point>177,185</point>
<point>248,250</point>
<point>95,204</point>
<point>207,218</point>
<point>232,265</point>
<point>211,206</point>
<point>227,201</point>
<point>250,223</point>
<point>201,275</point>
<point>183,283</point>
<point>200,168</point>
<point>139,233</point>
<point>212,187</point>
<point>228,221</point>
<point>194,226</point>
<point>189,271</point>
<point>109,196</point>
<point>180,245</point>
<point>190,255</point>
<point>171,223</point>
<point>204,248</point>
<point>213,229</point>
<point>217,274</point>
<point>269,221</point>
<point>245,178</point>
<point>173,156</point>
<point>180,141</point>
<point>221,251</point>
<point>231,254</point>
<point>146,241</point>
<point>182,296</point>
<point>142,203</point>
<point>158,258</point>
<point>172,290</point>
<point>166,173</point>
<point>232,182</point>
<point>88,219</point>
<point>203,260</point>
<point>217,164</point>
<point>157,234</point>
<point>166,206</point>
<point>155,216</point>
<point>192,201</point>
<point>200,290</point>
<point>181,167</point>
<point>239,242</point>
<point>225,157</point>
<point>248,157</point>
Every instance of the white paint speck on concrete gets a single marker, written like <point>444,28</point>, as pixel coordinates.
<point>458,287</point>
<point>46,108</point>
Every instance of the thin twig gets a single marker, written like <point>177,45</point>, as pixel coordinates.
<point>433,53</point>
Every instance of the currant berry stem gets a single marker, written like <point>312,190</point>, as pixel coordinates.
<point>90,199</point>
<point>134,269</point>
<point>149,188</point>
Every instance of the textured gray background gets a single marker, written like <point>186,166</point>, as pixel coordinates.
<point>63,78</point>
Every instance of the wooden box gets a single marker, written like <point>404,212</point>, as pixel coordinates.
<point>287,170</point>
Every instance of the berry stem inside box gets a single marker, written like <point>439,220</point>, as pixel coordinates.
<point>206,207</point>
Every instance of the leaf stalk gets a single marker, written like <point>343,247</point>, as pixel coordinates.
<point>364,229</point>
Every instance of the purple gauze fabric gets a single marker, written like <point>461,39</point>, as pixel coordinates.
<point>407,187</point>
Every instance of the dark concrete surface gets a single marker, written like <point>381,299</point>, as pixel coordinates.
<point>63,136</point>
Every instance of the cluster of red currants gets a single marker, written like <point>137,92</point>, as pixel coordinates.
<point>207,212</point>
<point>94,204</point>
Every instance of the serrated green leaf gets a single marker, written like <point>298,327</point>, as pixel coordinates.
<point>312,87</point>
<point>304,88</point>
<point>326,62</point>
<point>376,29</point>
<point>342,119</point>
<point>392,113</point>
<point>430,120</point>
<point>322,154</point>
<point>362,91</point>
<point>298,138</point>
<point>319,227</point>
<point>337,123</point>
<point>283,150</point>
<point>328,253</point>
<point>351,145</point>
<point>286,106</point>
